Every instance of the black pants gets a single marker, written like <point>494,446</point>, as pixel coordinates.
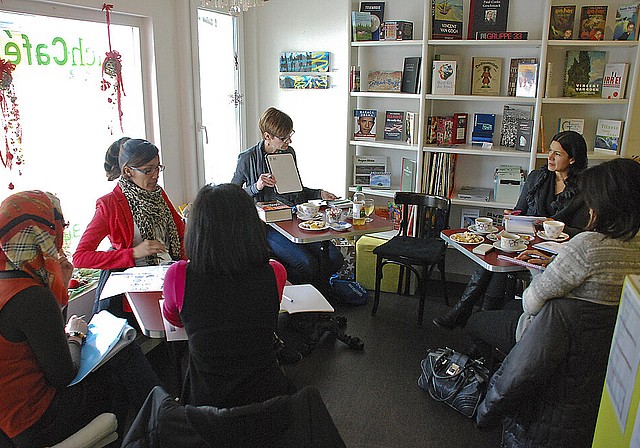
<point>496,329</point>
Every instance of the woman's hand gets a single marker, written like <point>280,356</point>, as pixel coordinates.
<point>66,267</point>
<point>75,323</point>
<point>148,247</point>
<point>327,196</point>
<point>266,180</point>
<point>534,257</point>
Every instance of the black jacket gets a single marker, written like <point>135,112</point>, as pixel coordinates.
<point>252,163</point>
<point>548,388</point>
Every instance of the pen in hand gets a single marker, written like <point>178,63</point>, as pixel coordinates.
<point>288,298</point>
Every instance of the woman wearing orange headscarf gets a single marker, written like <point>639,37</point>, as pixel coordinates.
<point>39,355</point>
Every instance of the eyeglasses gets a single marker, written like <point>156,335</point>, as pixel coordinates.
<point>286,139</point>
<point>159,168</point>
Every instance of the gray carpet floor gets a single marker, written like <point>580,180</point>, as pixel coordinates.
<point>373,395</point>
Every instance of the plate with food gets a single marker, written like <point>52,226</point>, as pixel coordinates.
<point>341,226</point>
<point>314,225</point>
<point>467,238</point>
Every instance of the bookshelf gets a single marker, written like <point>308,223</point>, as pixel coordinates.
<point>475,166</point>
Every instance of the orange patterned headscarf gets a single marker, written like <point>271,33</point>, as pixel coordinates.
<point>31,236</point>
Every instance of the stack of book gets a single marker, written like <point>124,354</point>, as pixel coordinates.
<point>483,127</point>
<point>438,174</point>
<point>273,211</point>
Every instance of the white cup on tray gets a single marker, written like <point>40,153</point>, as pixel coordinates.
<point>553,229</point>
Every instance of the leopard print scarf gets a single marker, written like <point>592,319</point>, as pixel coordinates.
<point>152,216</point>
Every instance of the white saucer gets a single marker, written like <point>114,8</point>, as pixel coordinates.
<point>562,237</point>
<point>340,226</point>
<point>493,229</point>
<point>308,218</point>
<point>519,248</point>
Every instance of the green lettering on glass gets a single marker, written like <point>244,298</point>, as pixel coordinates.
<point>93,61</point>
<point>73,53</point>
<point>27,45</point>
<point>8,33</point>
<point>77,231</point>
<point>60,40</point>
<point>42,57</point>
<point>15,52</point>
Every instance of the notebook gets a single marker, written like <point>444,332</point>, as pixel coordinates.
<point>283,167</point>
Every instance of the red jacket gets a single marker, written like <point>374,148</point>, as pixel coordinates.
<point>113,219</point>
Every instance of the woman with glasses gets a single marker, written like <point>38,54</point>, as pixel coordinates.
<point>302,261</point>
<point>141,223</point>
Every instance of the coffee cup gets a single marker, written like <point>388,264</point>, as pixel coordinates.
<point>552,228</point>
<point>484,224</point>
<point>307,210</point>
<point>509,241</point>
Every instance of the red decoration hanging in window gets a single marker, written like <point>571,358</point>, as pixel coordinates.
<point>11,154</point>
<point>112,67</point>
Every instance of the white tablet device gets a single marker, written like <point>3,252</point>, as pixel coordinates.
<point>283,167</point>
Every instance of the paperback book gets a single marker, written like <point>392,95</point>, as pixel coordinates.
<point>583,75</point>
<point>393,125</point>
<point>592,22</point>
<point>608,135</point>
<point>527,80</point>
<point>561,23</point>
<point>411,127</point>
<point>525,135</point>
<point>513,73</point>
<point>408,179</point>
<point>360,26</point>
<point>614,82</point>
<point>411,75</point>
<point>365,124</point>
<point>483,128</point>
<point>431,130</point>
<point>376,9</point>
<point>397,30</point>
<point>485,78</point>
<point>447,18</point>
<point>511,114</point>
<point>273,211</point>
<point>444,131</point>
<point>626,27</point>
<point>443,78</point>
<point>487,16</point>
<point>571,124</point>
<point>385,81</point>
<point>460,128</point>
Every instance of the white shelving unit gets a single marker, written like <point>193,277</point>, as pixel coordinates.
<point>475,166</point>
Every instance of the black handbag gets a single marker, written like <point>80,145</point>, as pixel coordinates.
<point>454,378</point>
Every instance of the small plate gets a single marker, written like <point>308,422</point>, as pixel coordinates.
<point>314,225</point>
<point>481,238</point>
<point>519,248</point>
<point>527,238</point>
<point>562,237</point>
<point>472,227</point>
<point>340,226</point>
<point>307,218</point>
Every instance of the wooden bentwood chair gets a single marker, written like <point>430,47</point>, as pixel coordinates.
<point>425,249</point>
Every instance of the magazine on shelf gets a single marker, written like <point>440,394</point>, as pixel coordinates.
<point>614,82</point>
<point>608,133</point>
<point>487,16</point>
<point>578,63</point>
<point>447,19</point>
<point>376,9</point>
<point>561,23</point>
<point>592,22</point>
<point>485,77</point>
<point>365,124</point>
<point>626,27</point>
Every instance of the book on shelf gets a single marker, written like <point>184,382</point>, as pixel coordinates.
<point>474,193</point>
<point>384,81</point>
<point>431,130</point>
<point>397,30</point>
<point>592,22</point>
<point>360,26</point>
<point>547,83</point>
<point>411,75</point>
<point>584,70</point>
<point>571,124</point>
<point>365,124</point>
<point>443,78</point>
<point>503,35</point>
<point>561,22</point>
<point>525,135</point>
<point>444,131</point>
<point>376,9</point>
<point>273,211</point>
<point>411,127</point>
<point>626,27</point>
<point>527,80</point>
<point>447,17</point>
<point>393,125</point>
<point>487,16</point>
<point>483,128</point>
<point>364,165</point>
<point>408,179</point>
<point>355,78</point>
<point>468,217</point>
<point>513,73</point>
<point>438,174</point>
<point>485,77</point>
<point>614,81</point>
<point>608,134</point>
<point>511,114</point>
<point>459,134</point>
<point>381,181</point>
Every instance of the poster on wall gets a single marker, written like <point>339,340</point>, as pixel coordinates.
<point>304,82</point>
<point>304,61</point>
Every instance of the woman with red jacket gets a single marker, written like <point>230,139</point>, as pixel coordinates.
<point>141,223</point>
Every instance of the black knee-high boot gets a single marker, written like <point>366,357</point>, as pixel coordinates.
<point>461,311</point>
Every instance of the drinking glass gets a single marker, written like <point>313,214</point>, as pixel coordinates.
<point>369,207</point>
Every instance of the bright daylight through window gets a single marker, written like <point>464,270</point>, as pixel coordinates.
<point>67,121</point>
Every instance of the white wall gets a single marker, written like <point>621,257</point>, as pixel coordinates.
<point>319,116</point>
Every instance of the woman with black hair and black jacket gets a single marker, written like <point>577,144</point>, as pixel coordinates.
<point>550,191</point>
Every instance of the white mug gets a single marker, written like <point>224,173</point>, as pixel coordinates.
<point>484,224</point>
<point>553,229</point>
<point>509,240</point>
<point>307,210</point>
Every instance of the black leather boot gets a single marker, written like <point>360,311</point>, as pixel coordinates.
<point>461,311</point>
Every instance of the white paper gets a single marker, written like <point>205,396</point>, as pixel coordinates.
<point>171,332</point>
<point>137,279</point>
<point>625,354</point>
<point>303,298</point>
